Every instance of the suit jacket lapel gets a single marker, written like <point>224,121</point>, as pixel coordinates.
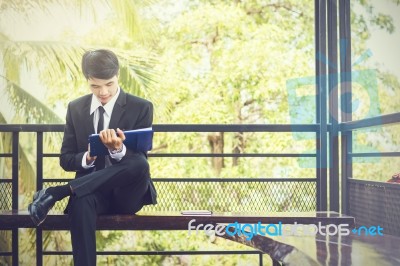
<point>118,110</point>
<point>88,118</point>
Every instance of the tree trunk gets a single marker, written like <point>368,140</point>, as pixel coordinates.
<point>217,147</point>
<point>238,147</point>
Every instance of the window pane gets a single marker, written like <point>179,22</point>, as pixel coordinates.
<point>376,69</point>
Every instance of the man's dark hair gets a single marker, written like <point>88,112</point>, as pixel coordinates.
<point>101,64</point>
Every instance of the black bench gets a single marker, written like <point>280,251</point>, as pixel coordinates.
<point>173,220</point>
<point>10,220</point>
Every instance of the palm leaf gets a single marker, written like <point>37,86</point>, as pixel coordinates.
<point>139,77</point>
<point>28,106</point>
<point>138,72</point>
<point>59,59</point>
<point>127,11</point>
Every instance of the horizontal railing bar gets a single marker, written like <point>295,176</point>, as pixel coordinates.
<point>370,122</point>
<point>5,253</point>
<point>168,155</point>
<point>32,128</point>
<point>234,179</point>
<point>5,155</point>
<point>235,128</point>
<point>53,155</point>
<point>193,252</point>
<point>232,155</point>
<point>374,154</point>
<point>206,180</point>
<point>179,127</point>
<point>9,180</point>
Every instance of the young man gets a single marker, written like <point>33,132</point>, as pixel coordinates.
<point>118,183</point>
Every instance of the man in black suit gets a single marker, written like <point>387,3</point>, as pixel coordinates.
<point>118,183</point>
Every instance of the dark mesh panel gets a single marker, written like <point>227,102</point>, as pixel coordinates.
<point>5,196</point>
<point>254,196</point>
<point>374,204</point>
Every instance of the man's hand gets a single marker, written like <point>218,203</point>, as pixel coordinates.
<point>89,159</point>
<point>111,139</point>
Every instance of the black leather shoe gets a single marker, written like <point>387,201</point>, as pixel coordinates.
<point>41,205</point>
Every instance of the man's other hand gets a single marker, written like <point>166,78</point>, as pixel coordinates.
<point>89,159</point>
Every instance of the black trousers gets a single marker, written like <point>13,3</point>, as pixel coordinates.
<point>117,189</point>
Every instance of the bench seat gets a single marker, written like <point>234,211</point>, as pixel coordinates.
<point>173,220</point>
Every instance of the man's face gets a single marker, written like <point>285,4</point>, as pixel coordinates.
<point>104,89</point>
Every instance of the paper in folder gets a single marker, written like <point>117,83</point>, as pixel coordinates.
<point>136,140</point>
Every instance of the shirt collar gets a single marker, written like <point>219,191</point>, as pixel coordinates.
<point>108,107</point>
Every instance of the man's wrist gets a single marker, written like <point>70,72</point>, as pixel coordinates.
<point>86,164</point>
<point>116,150</point>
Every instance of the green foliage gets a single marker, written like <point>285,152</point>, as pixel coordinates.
<point>217,61</point>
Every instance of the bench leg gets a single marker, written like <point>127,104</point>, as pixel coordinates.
<point>15,251</point>
<point>39,247</point>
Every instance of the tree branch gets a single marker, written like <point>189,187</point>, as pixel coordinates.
<point>254,11</point>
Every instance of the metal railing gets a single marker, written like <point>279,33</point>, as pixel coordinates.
<point>307,185</point>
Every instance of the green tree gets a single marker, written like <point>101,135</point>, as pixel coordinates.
<point>222,62</point>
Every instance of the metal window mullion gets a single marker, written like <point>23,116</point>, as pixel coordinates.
<point>345,96</point>
<point>317,114</point>
<point>321,140</point>
<point>333,107</point>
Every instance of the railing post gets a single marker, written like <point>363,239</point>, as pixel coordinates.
<point>39,186</point>
<point>14,194</point>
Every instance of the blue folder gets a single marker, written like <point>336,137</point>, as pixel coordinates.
<point>136,140</point>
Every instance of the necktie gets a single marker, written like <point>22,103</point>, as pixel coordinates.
<point>100,160</point>
<point>100,124</point>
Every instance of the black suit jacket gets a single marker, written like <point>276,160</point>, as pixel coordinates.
<point>130,112</point>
